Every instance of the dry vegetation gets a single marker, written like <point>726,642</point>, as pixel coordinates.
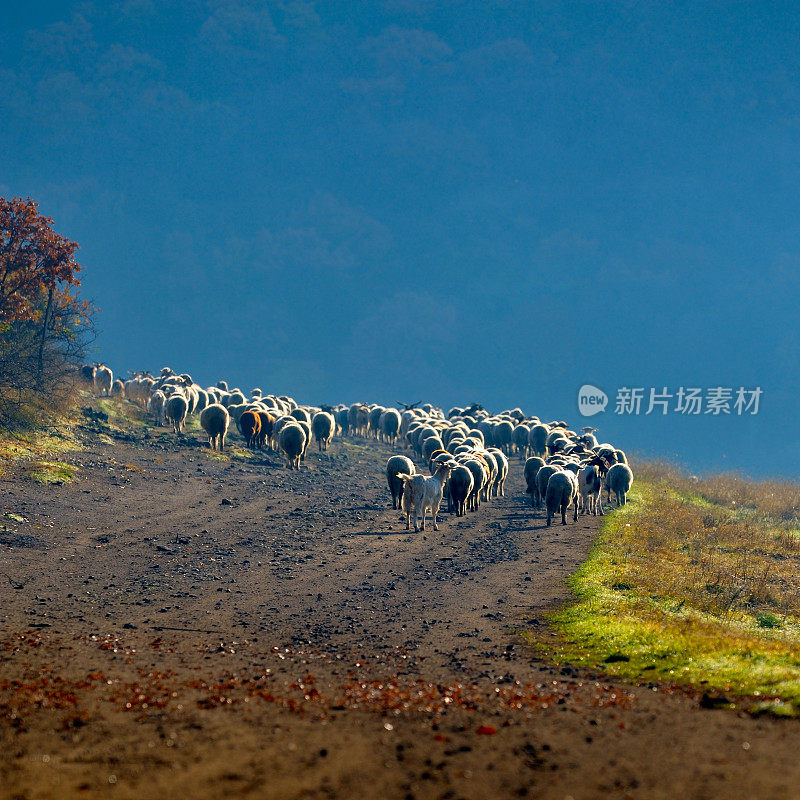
<point>697,581</point>
<point>720,544</point>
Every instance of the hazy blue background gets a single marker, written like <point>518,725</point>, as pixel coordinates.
<point>447,201</point>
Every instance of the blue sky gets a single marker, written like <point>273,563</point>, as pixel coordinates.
<point>451,201</point>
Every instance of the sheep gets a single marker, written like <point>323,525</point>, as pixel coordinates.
<point>543,476</point>
<point>292,441</point>
<point>306,426</point>
<point>619,480</point>
<point>421,494</point>
<point>118,389</point>
<point>237,397</point>
<point>490,464</point>
<point>588,438</point>
<point>323,426</point>
<point>459,489</point>
<point>343,420</point>
<point>87,373</point>
<point>502,471</point>
<point>394,466</point>
<point>537,439</point>
<point>436,456</point>
<point>555,433</point>
<point>502,433</point>
<point>520,439</point>
<point>176,409</point>
<point>250,426</point>
<point>214,420</point>
<point>562,490</point>
<point>532,467</point>
<point>203,400</point>
<point>103,380</point>
<point>301,415</point>
<point>429,446</point>
<point>590,486</point>
<point>485,429</point>
<point>374,420</point>
<point>480,476</point>
<point>389,425</point>
<point>267,428</point>
<point>158,406</point>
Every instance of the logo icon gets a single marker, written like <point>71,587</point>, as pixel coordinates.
<point>591,400</point>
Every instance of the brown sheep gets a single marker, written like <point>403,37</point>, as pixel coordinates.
<point>267,427</point>
<point>250,423</point>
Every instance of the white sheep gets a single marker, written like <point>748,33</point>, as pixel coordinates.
<point>103,380</point>
<point>562,491</point>
<point>619,480</point>
<point>421,494</point>
<point>157,406</point>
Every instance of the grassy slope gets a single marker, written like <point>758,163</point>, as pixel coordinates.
<point>694,583</point>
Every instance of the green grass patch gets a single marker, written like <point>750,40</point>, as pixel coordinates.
<point>692,587</point>
<point>121,413</point>
<point>41,443</point>
<point>215,455</point>
<point>52,472</point>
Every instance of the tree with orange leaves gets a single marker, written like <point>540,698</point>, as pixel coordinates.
<point>34,260</point>
<point>40,314</point>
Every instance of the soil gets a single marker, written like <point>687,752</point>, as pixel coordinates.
<point>173,621</point>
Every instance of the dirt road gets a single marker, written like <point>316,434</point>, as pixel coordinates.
<point>172,621</point>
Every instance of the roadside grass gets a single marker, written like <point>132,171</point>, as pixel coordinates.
<point>48,473</point>
<point>695,582</point>
<point>38,443</point>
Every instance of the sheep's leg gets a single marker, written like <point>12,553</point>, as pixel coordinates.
<point>435,511</point>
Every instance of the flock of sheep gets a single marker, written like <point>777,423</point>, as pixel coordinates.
<point>467,454</point>
<point>467,450</point>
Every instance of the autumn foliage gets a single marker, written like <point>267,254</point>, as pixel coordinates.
<point>42,320</point>
<point>34,259</point>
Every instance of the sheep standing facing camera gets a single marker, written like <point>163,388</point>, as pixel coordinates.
<point>421,494</point>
